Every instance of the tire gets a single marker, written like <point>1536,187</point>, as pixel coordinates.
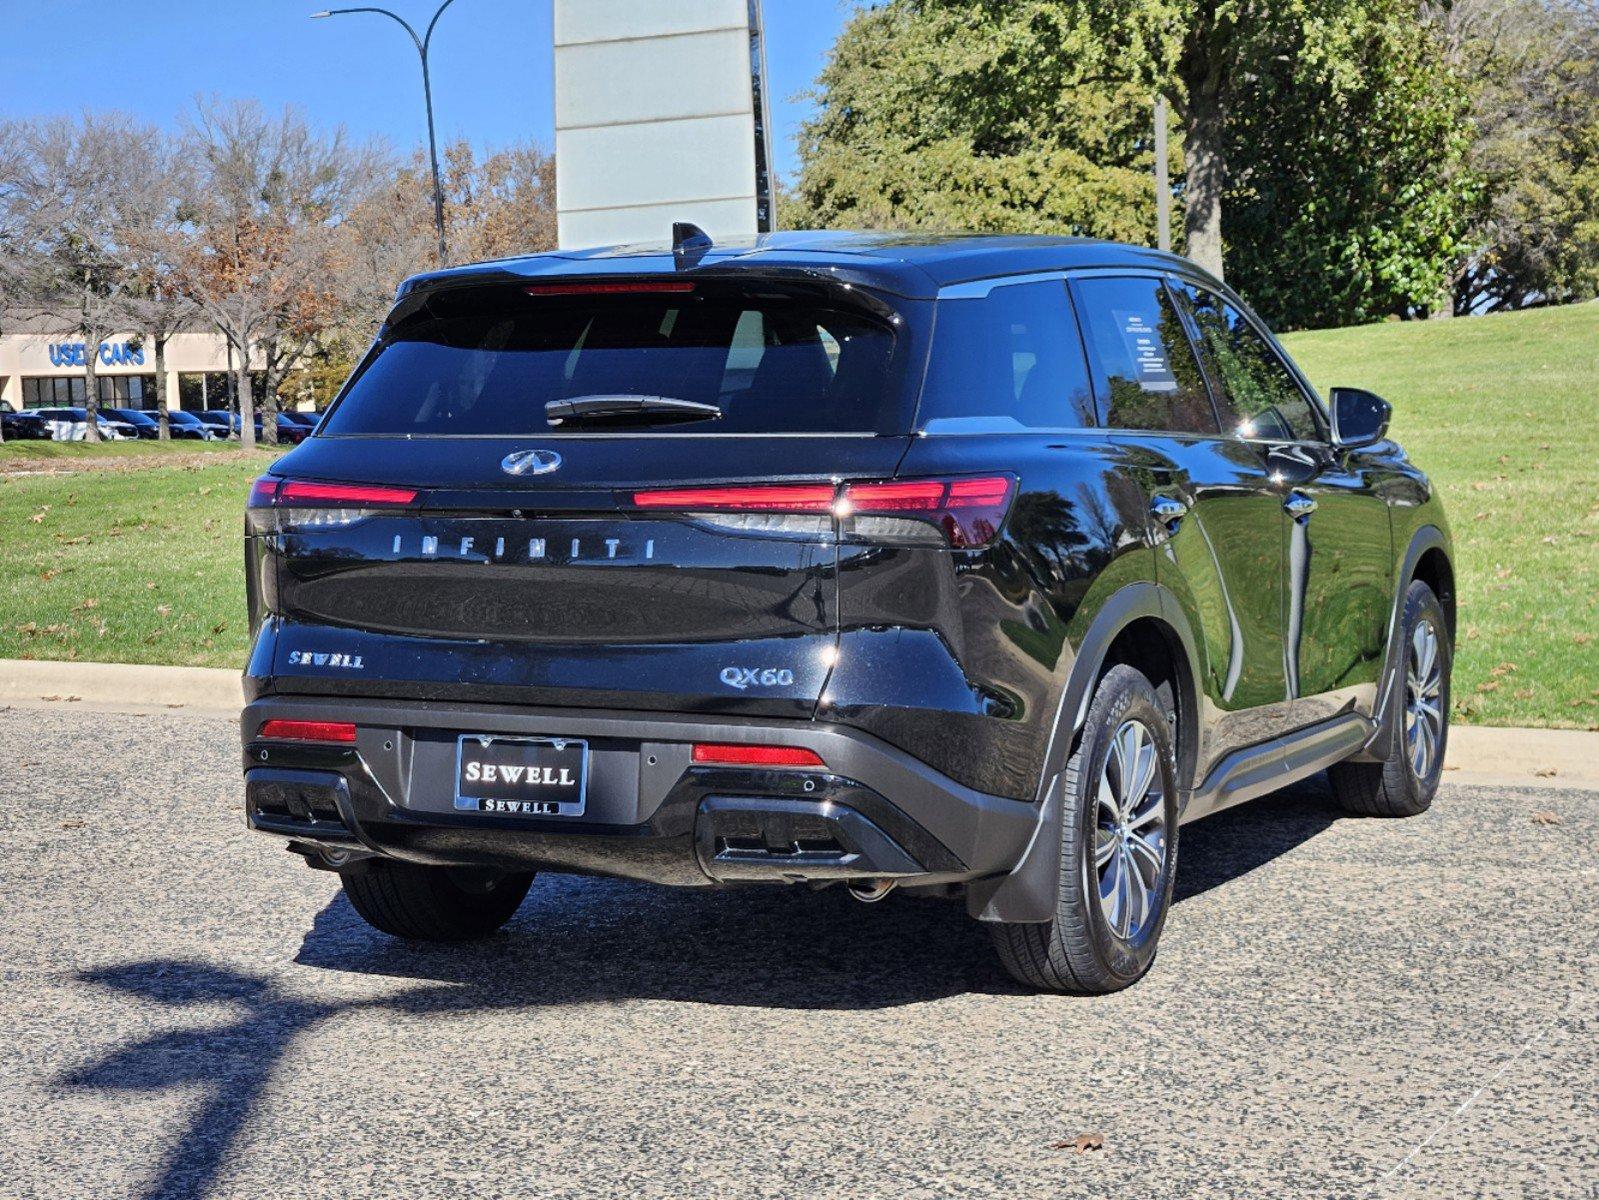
<point>434,904</point>
<point>1397,787</point>
<point>1084,949</point>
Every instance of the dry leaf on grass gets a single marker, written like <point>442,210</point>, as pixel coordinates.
<point>73,824</point>
<point>1081,1143</point>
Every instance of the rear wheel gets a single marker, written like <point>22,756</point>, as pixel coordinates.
<point>1406,782</point>
<point>1118,850</point>
<point>434,904</point>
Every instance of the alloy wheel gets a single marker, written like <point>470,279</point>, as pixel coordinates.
<point>1424,684</point>
<point>1130,832</point>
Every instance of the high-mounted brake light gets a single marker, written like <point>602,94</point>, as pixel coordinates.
<point>610,287</point>
<point>732,755</point>
<point>803,497</point>
<point>278,730</point>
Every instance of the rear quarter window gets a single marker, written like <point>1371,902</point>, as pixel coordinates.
<point>1012,359</point>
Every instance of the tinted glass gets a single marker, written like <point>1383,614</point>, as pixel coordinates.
<point>487,360</point>
<point>1010,359</point>
<point>1145,374</point>
<point>1260,396</point>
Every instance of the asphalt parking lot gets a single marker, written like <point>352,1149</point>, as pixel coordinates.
<point>1341,1008</point>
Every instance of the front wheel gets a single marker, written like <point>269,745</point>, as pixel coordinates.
<point>1118,850</point>
<point>434,904</point>
<point>1404,784</point>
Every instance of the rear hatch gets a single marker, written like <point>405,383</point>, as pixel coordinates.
<point>663,537</point>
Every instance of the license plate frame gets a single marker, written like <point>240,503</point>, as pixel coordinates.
<point>514,805</point>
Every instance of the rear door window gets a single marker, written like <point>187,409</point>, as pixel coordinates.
<point>486,360</point>
<point>1145,372</point>
<point>1260,397</point>
<point>1012,359</point>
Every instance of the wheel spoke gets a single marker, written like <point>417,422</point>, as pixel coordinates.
<point>1104,848</point>
<point>1107,797</point>
<point>1137,896</point>
<point>1155,809</point>
<point>1110,890</point>
<point>1150,851</point>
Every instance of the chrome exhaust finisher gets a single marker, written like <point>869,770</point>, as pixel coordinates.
<point>872,891</point>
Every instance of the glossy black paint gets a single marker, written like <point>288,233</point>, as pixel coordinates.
<point>974,664</point>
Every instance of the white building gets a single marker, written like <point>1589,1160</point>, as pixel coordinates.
<point>39,368</point>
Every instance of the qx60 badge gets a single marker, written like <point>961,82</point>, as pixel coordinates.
<point>530,462</point>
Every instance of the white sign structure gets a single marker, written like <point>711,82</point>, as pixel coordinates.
<point>659,117</point>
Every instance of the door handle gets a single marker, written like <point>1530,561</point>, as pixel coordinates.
<point>1299,506</point>
<point>1168,511</point>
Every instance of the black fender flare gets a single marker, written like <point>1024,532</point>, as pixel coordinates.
<point>1030,891</point>
<point>1379,746</point>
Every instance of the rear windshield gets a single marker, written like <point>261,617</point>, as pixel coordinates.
<point>486,361</point>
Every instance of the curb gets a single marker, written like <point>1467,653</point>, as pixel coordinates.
<point>121,684</point>
<point>1479,755</point>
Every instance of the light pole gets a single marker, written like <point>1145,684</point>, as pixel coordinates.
<point>422,45</point>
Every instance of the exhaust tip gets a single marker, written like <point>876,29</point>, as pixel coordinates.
<point>872,890</point>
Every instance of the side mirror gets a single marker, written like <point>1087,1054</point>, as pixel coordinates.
<point>1359,417</point>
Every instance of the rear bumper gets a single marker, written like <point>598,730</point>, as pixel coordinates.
<point>872,812</point>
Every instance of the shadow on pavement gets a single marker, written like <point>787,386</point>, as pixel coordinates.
<point>581,940</point>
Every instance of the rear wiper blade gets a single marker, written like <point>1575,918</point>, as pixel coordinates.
<point>577,407</point>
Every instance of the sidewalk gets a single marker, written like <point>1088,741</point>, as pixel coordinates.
<point>1478,755</point>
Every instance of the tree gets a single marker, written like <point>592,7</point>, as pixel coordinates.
<point>945,114</point>
<point>1346,155</point>
<point>79,194</point>
<point>260,233</point>
<point>1334,120</point>
<point>157,303</point>
<point>1531,69</point>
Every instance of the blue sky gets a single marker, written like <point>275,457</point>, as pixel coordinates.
<point>491,62</point>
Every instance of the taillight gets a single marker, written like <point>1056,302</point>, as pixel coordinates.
<point>278,730</point>
<point>777,497</point>
<point>732,755</point>
<point>965,512</point>
<point>968,512</point>
<point>294,503</point>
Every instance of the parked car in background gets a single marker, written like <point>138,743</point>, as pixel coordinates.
<point>72,425</point>
<point>964,566</point>
<point>290,431</point>
<point>23,426</point>
<point>225,423</point>
<point>144,424</point>
<point>308,419</point>
<point>187,425</point>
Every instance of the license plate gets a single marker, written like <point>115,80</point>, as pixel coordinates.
<point>525,777</point>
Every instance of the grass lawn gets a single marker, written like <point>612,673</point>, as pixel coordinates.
<point>1503,413</point>
<point>139,559</point>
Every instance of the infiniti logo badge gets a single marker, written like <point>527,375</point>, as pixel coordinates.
<point>530,462</point>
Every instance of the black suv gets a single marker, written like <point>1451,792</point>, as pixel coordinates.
<point>963,565</point>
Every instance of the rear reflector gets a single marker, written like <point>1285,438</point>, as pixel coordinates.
<point>803,497</point>
<point>755,756</point>
<point>307,731</point>
<point>610,287</point>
